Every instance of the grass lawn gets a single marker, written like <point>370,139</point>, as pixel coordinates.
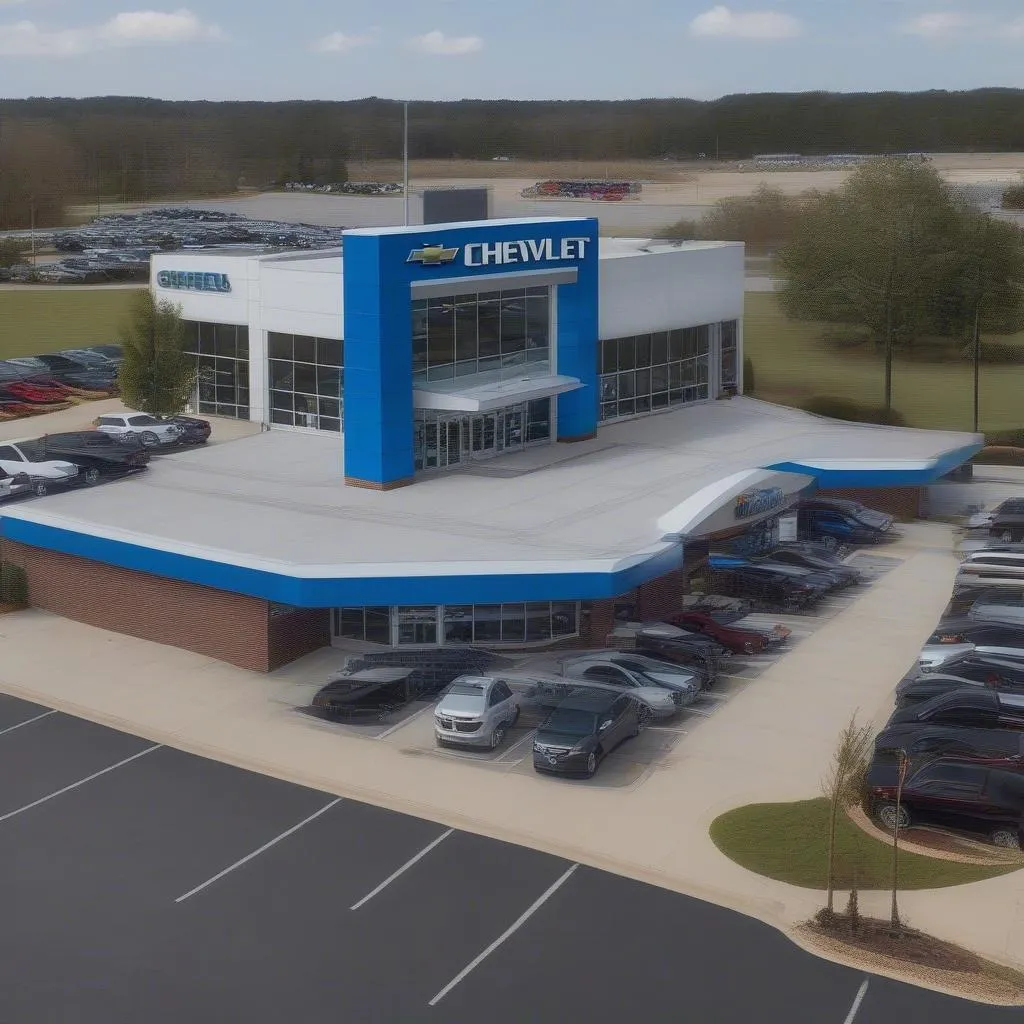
<point>789,842</point>
<point>49,319</point>
<point>791,363</point>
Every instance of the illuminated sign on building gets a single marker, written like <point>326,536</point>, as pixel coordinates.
<point>755,503</point>
<point>498,254</point>
<point>193,281</point>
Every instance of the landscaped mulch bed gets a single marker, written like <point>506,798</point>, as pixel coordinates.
<point>918,957</point>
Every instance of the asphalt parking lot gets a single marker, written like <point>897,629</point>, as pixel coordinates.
<point>141,883</point>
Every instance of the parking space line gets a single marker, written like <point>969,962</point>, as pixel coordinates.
<point>518,743</point>
<point>665,728</point>
<point>858,999</point>
<point>80,782</point>
<point>405,721</point>
<point>402,870</point>
<point>28,721</point>
<point>516,925</point>
<point>255,853</point>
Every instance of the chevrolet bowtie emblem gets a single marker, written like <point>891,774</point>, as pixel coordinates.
<point>431,255</point>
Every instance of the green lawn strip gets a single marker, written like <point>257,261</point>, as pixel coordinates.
<point>791,363</point>
<point>50,319</point>
<point>789,842</point>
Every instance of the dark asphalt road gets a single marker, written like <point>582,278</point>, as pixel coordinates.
<point>92,934</point>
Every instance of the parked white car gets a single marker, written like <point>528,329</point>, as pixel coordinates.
<point>13,486</point>
<point>476,711</point>
<point>27,456</point>
<point>148,429</point>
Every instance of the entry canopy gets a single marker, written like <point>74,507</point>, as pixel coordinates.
<point>733,502</point>
<point>474,394</point>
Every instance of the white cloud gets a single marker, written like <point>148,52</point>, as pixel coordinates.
<point>938,24</point>
<point>339,42</point>
<point>130,28</point>
<point>723,22</point>
<point>439,45</point>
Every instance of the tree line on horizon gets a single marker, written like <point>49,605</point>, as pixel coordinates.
<point>57,151</point>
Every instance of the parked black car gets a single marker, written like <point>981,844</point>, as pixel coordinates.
<point>831,578</point>
<point>368,694</point>
<point>834,522</point>
<point>69,372</point>
<point>977,797</point>
<point>195,431</point>
<point>918,741</point>
<point>987,668</point>
<point>931,684</point>
<point>95,452</point>
<point>804,559</point>
<point>962,630</point>
<point>576,737</point>
<point>765,588</point>
<point>1007,522</point>
<point>972,707</point>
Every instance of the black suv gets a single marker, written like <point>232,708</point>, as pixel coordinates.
<point>976,797</point>
<point>575,738</point>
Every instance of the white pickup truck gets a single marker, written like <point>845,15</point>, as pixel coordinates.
<point>27,456</point>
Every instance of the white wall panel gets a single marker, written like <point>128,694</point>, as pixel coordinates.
<point>213,307</point>
<point>301,302</point>
<point>664,290</point>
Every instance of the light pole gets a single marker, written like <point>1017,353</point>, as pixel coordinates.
<point>405,161</point>
<point>894,914</point>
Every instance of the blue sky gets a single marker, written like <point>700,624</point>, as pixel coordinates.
<point>520,49</point>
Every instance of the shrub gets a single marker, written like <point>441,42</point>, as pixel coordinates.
<point>998,455</point>
<point>748,376</point>
<point>13,584</point>
<point>854,412</point>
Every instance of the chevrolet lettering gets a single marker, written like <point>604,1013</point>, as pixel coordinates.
<point>532,250</point>
<point>193,281</point>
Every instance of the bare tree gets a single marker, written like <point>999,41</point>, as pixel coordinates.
<point>841,786</point>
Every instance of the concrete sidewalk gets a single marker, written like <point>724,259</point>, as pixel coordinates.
<point>770,742</point>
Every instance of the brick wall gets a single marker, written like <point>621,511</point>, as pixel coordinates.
<point>902,503</point>
<point>296,634</point>
<point>663,595</point>
<point>228,627</point>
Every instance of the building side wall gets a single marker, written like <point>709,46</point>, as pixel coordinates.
<point>297,634</point>
<point>662,291</point>
<point>211,307</point>
<point>301,301</point>
<point>902,503</point>
<point>215,623</point>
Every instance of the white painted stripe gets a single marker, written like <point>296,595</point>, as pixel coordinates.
<point>405,721</point>
<point>80,782</point>
<point>518,743</point>
<point>402,870</point>
<point>516,925</point>
<point>858,999</point>
<point>28,721</point>
<point>255,853</point>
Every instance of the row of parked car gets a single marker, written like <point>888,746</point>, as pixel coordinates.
<point>958,724</point>
<point>792,579</point>
<point>121,443</point>
<point>30,384</point>
<point>590,701</point>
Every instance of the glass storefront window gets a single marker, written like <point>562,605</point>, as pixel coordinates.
<point>642,374</point>
<point>487,624</point>
<point>730,342</point>
<point>459,335</point>
<point>222,363</point>
<point>307,380</point>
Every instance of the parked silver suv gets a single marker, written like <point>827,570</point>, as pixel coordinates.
<point>476,711</point>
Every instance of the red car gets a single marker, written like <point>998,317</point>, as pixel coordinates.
<point>738,639</point>
<point>37,391</point>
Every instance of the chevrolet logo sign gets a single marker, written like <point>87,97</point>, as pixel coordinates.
<point>432,255</point>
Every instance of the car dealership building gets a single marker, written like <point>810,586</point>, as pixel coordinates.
<point>500,432</point>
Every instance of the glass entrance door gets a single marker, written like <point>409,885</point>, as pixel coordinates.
<point>416,626</point>
<point>484,432</point>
